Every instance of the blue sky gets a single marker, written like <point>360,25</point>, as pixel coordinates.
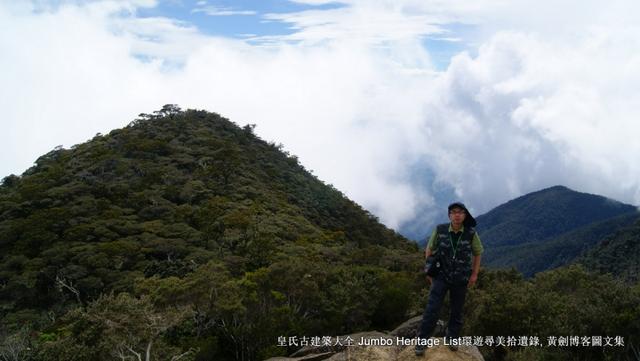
<point>400,104</point>
<point>232,25</point>
<point>249,21</point>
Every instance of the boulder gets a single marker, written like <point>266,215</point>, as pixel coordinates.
<point>393,352</point>
<point>309,357</point>
<point>408,328</point>
<point>339,343</point>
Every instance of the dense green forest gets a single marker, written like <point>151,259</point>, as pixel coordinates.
<point>550,228</point>
<point>186,237</point>
<point>567,302</point>
<point>533,257</point>
<point>184,232</point>
<point>617,254</point>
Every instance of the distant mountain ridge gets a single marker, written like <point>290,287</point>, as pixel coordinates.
<point>549,228</point>
<point>533,257</point>
<point>544,214</point>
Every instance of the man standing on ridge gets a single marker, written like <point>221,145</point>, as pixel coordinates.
<point>456,247</point>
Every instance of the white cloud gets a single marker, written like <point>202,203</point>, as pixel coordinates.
<point>541,113</point>
<point>353,93</point>
<point>221,11</point>
<point>371,22</point>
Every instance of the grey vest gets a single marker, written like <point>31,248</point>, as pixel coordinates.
<point>455,270</point>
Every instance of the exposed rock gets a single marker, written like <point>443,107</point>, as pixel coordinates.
<point>397,345</point>
<point>408,328</point>
<point>339,343</point>
<point>442,353</point>
<point>366,353</point>
<point>309,357</point>
<point>393,352</point>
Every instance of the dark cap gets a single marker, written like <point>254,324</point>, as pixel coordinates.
<point>469,221</point>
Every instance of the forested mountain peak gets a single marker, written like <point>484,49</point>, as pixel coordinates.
<point>174,160</point>
<point>179,206</point>
<point>545,214</point>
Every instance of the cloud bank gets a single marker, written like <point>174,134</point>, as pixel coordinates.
<point>552,98</point>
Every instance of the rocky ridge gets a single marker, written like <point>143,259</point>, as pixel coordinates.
<point>380,346</point>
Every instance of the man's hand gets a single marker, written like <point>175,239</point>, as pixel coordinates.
<point>475,269</point>
<point>427,253</point>
<point>472,279</point>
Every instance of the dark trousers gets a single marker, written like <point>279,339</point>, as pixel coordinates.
<point>438,290</point>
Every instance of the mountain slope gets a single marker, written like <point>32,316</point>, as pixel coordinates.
<point>176,208</point>
<point>549,228</point>
<point>545,214</point>
<point>618,254</point>
<point>533,257</point>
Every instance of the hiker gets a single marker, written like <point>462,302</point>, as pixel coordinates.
<point>453,258</point>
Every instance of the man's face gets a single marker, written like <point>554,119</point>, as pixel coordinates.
<point>457,215</point>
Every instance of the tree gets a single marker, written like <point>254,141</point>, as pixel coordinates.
<point>133,327</point>
<point>168,110</point>
<point>10,180</point>
<point>15,347</point>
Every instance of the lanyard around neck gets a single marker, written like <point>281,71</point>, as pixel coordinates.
<point>455,249</point>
